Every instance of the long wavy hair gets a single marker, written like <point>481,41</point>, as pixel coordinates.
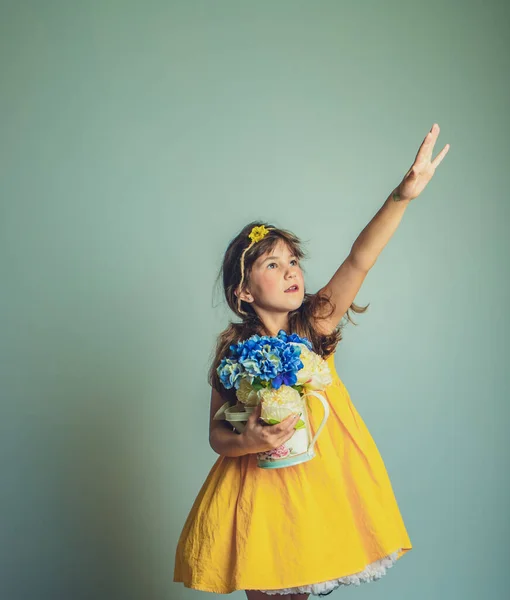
<point>301,320</point>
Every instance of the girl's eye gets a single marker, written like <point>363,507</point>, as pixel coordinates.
<point>293,260</point>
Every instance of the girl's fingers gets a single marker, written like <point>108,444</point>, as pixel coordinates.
<point>425,151</point>
<point>282,427</point>
<point>287,425</point>
<point>437,161</point>
<point>427,146</point>
<point>291,421</point>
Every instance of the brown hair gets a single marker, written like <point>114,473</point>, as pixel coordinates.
<point>300,320</point>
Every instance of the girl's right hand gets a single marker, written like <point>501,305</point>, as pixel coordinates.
<point>260,438</point>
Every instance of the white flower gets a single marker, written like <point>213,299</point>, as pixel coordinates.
<point>315,374</point>
<point>279,404</point>
<point>246,394</point>
<point>283,395</point>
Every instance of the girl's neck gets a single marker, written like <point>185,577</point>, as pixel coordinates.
<point>265,331</point>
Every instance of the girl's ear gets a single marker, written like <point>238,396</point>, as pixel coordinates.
<point>245,295</point>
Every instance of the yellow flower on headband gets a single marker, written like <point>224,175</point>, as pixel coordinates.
<point>257,233</point>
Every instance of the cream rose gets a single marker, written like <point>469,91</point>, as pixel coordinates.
<point>246,394</point>
<point>279,404</point>
<point>315,374</point>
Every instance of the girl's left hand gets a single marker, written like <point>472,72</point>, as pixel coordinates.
<point>422,169</point>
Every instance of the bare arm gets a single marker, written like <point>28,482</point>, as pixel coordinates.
<point>376,234</point>
<point>222,439</point>
<point>226,442</point>
<point>347,280</point>
<point>343,287</point>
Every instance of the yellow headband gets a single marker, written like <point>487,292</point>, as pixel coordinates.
<point>256,234</point>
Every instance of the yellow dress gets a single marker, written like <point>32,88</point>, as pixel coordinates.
<point>310,527</point>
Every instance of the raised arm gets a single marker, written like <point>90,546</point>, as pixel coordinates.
<point>346,281</point>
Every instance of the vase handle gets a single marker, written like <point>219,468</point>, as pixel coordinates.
<point>220,414</point>
<point>325,406</point>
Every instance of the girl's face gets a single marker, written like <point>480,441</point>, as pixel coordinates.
<point>270,276</point>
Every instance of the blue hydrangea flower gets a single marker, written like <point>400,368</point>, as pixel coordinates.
<point>294,337</point>
<point>272,359</point>
<point>229,373</point>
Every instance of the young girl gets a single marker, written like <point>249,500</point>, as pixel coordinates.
<point>333,520</point>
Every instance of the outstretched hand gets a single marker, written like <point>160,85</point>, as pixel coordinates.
<point>423,168</point>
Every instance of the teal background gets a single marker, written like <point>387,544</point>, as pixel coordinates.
<point>137,138</point>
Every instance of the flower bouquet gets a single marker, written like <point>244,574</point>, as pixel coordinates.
<point>278,373</point>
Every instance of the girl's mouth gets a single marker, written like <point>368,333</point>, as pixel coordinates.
<point>293,288</point>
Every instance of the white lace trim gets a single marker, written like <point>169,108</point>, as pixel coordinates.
<point>372,571</point>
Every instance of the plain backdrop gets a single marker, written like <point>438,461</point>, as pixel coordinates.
<point>136,140</point>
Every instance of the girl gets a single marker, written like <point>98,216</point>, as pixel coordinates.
<point>331,521</point>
